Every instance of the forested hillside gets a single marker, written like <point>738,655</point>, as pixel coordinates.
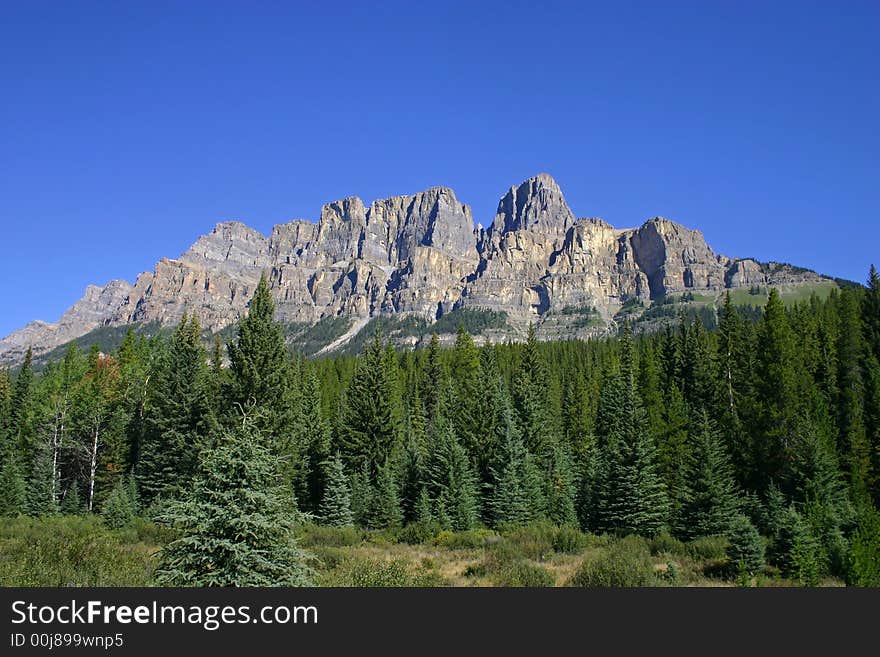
<point>762,434</point>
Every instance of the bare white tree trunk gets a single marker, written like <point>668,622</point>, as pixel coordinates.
<point>93,465</point>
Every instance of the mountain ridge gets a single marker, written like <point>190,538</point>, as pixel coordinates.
<point>418,255</point>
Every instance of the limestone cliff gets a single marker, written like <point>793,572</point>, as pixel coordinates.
<point>420,255</point>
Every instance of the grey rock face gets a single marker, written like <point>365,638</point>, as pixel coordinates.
<point>419,254</point>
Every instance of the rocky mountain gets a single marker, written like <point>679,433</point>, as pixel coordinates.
<point>420,256</point>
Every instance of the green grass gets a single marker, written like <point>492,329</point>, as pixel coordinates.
<point>790,295</point>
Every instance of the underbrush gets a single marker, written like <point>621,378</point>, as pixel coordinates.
<point>73,551</point>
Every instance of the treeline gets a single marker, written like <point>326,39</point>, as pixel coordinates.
<point>765,430</point>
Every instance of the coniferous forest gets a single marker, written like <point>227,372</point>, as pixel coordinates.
<point>748,454</point>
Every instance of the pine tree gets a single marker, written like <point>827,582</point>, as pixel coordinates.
<point>22,406</point>
<point>434,376</point>
<point>383,502</point>
<point>40,497</point>
<point>516,495</point>
<point>630,494</point>
<point>871,312</point>
<point>709,504</point>
<point>12,488</point>
<point>456,504</point>
<point>414,466</point>
<point>465,379</point>
<point>235,522</point>
<point>312,444</point>
<point>369,431</point>
<point>531,400</point>
<point>259,370</point>
<point>777,390</point>
<point>492,397</point>
<point>118,511</point>
<point>179,416</point>
<point>71,503</point>
<point>853,442</point>
<point>561,489</point>
<point>335,509</point>
<point>798,549</point>
<point>745,550</point>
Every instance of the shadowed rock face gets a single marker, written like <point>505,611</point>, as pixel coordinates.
<point>416,254</point>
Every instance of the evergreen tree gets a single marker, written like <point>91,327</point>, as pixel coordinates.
<point>21,414</point>
<point>382,508</point>
<point>179,416</point>
<point>745,550</point>
<point>777,390</point>
<point>369,431</point>
<point>561,489</point>
<point>40,498</point>
<point>118,511</point>
<point>516,494</point>
<point>465,379</point>
<point>434,376</point>
<point>797,549</point>
<point>312,444</point>
<point>71,503</point>
<point>456,505</point>
<point>335,509</point>
<point>259,370</point>
<point>530,392</point>
<point>630,494</point>
<point>709,504</point>
<point>12,488</point>
<point>235,522</point>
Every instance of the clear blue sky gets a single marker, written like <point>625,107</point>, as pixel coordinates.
<point>127,129</point>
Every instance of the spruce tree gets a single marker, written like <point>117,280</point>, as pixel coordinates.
<point>368,432</point>
<point>335,508</point>
<point>798,549</point>
<point>709,503</point>
<point>259,371</point>
<point>561,488</point>
<point>382,509</point>
<point>745,549</point>
<point>12,488</point>
<point>465,378</point>
<point>235,522</point>
<point>456,503</point>
<point>777,390</point>
<point>118,511</point>
<point>531,399</point>
<point>21,414</point>
<point>40,497</point>
<point>179,416</point>
<point>71,503</point>
<point>312,444</point>
<point>631,497</point>
<point>516,492</point>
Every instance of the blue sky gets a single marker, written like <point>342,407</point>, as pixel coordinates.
<point>128,129</point>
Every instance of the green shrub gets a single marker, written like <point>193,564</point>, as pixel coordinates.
<point>666,543</point>
<point>69,551</point>
<point>466,540</point>
<point>569,540</point>
<point>710,548</point>
<point>532,541</point>
<point>627,562</point>
<point>417,532</point>
<point>317,535</point>
<point>522,573</point>
<point>378,573</point>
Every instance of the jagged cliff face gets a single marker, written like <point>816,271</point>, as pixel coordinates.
<point>420,255</point>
